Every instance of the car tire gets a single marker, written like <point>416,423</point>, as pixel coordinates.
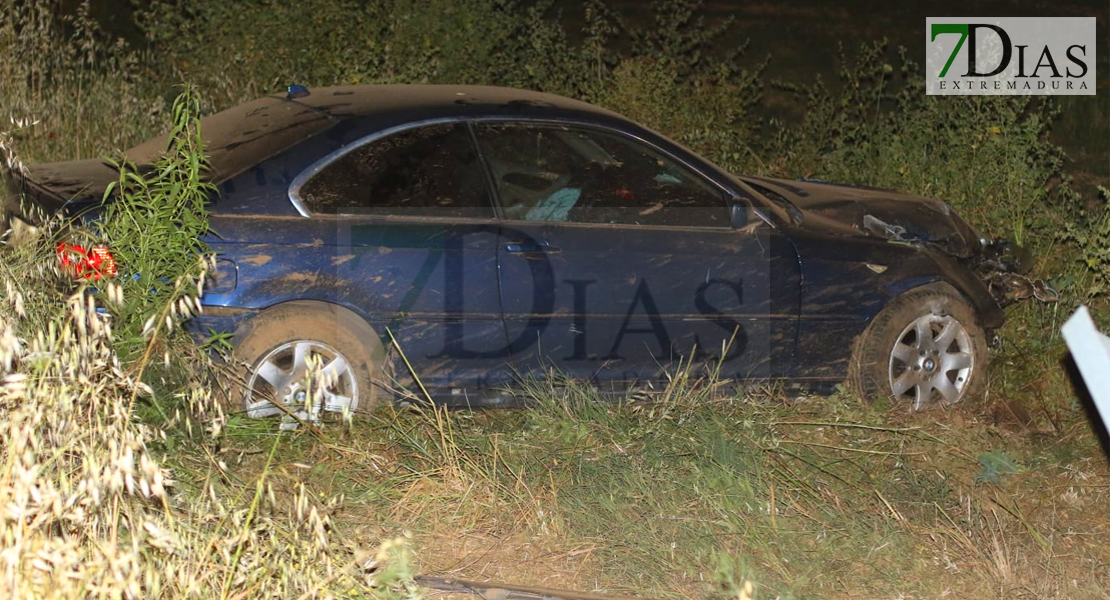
<point>267,347</point>
<point>926,347</point>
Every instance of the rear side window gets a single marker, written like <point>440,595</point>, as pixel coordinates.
<point>430,171</point>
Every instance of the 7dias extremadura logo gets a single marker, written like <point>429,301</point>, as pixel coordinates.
<point>1010,55</point>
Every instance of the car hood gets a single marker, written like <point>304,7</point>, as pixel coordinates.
<point>847,209</point>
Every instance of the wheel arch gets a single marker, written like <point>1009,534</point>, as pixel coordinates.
<point>345,318</point>
<point>950,274</point>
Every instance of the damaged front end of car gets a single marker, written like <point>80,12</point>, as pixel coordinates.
<point>1002,264</point>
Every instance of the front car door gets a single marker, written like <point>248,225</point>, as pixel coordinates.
<point>618,260</point>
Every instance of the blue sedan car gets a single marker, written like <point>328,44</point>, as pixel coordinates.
<point>458,238</point>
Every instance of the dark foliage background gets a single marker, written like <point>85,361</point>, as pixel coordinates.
<point>678,66</point>
<point>1002,496</point>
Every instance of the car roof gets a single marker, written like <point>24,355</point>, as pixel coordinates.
<point>245,135</point>
<point>380,100</point>
<point>241,137</point>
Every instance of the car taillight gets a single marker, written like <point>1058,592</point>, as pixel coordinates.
<point>91,263</point>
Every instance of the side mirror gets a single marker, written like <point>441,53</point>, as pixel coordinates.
<point>739,213</point>
<point>744,215</point>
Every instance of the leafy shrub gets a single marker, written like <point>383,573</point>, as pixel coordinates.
<point>154,223</point>
<point>1090,231</point>
<point>494,42</point>
<point>988,156</point>
<point>324,42</point>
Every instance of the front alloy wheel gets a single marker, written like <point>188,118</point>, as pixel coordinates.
<point>312,359</point>
<point>925,347</point>
<point>931,361</point>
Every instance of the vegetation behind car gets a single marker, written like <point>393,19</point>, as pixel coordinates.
<point>822,498</point>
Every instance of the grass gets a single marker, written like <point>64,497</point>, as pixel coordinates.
<point>815,497</point>
<point>701,492</point>
<point>101,395</point>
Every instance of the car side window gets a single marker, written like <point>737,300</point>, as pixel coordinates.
<point>567,174</point>
<point>431,170</point>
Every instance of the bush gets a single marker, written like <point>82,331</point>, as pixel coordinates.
<point>493,42</point>
<point>153,226</point>
<point>1090,231</point>
<point>987,156</point>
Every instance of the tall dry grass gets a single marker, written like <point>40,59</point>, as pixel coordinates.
<point>88,503</point>
<point>90,95</point>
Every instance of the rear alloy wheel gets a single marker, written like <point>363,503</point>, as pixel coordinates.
<point>925,347</point>
<point>312,359</point>
<point>285,375</point>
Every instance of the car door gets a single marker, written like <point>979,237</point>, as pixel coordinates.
<point>405,234</point>
<point>618,260</point>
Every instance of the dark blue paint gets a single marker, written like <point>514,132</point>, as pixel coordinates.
<point>477,302</point>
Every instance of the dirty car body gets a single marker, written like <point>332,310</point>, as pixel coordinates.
<point>487,234</point>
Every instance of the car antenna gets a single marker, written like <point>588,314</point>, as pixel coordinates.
<point>296,91</point>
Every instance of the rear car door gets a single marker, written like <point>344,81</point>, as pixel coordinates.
<point>618,260</point>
